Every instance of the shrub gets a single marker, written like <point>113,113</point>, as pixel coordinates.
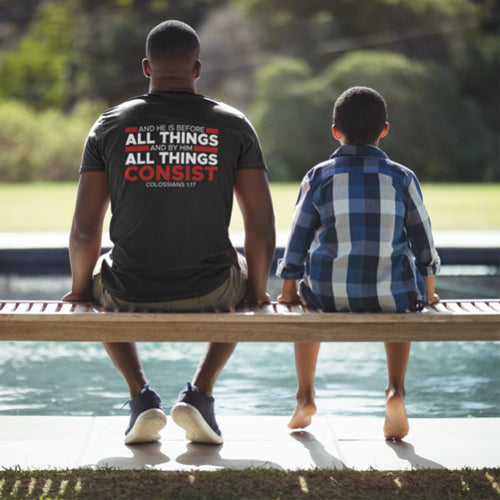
<point>435,130</point>
<point>42,145</point>
<point>290,119</point>
<point>431,122</point>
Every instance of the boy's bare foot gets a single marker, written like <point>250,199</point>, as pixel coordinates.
<point>396,425</point>
<point>302,415</point>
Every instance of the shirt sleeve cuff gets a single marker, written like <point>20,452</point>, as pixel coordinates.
<point>289,272</point>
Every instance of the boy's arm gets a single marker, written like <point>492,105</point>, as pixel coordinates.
<point>289,294</point>
<point>86,232</point>
<point>305,221</point>
<point>432,296</point>
<point>418,227</point>
<point>254,199</point>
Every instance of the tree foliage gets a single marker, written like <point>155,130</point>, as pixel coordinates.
<point>430,120</point>
<point>284,61</point>
<point>37,72</point>
<point>43,144</point>
<point>436,62</point>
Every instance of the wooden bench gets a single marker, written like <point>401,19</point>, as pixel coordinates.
<point>449,320</point>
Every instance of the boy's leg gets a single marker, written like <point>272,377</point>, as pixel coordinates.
<point>306,356</point>
<point>396,424</point>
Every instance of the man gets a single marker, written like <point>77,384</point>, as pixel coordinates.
<point>169,163</point>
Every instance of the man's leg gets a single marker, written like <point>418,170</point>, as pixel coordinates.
<point>212,361</point>
<point>396,424</point>
<point>147,417</point>
<point>126,360</point>
<point>195,410</point>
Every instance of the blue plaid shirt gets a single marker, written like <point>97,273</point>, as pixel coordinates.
<point>360,237</point>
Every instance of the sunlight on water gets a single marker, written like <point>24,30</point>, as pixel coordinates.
<point>455,379</point>
<point>444,379</point>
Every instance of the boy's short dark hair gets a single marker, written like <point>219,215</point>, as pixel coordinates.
<point>173,40</point>
<point>360,113</point>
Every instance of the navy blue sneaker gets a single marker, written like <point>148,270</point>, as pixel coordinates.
<point>146,419</point>
<point>194,412</point>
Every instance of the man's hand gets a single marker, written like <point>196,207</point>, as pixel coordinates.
<point>73,297</point>
<point>252,300</point>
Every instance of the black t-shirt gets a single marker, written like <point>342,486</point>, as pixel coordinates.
<point>170,159</point>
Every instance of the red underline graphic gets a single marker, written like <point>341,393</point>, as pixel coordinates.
<point>206,149</point>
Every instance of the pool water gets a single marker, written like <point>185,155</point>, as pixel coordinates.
<point>444,379</point>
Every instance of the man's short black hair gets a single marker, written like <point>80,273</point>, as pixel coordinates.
<point>360,113</point>
<point>173,40</point>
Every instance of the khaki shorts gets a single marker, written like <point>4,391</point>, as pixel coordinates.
<point>224,298</point>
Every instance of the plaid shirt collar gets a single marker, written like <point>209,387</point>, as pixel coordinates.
<point>355,150</point>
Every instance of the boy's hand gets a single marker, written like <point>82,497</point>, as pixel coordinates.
<point>289,299</point>
<point>433,299</point>
<point>289,294</point>
<point>432,296</point>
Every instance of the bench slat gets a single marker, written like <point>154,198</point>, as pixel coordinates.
<point>495,305</point>
<point>63,321</point>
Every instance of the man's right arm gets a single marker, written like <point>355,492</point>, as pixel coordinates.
<point>86,232</point>
<point>254,199</point>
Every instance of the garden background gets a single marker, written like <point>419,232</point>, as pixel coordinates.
<point>62,62</point>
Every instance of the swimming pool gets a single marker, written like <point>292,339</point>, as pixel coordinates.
<point>445,379</point>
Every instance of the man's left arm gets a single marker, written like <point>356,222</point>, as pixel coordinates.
<point>86,232</point>
<point>254,199</point>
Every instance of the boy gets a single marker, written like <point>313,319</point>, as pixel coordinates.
<point>360,240</point>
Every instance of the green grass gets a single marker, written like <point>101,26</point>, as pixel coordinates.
<point>37,206</point>
<point>262,484</point>
<point>49,206</point>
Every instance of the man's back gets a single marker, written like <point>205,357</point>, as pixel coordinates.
<point>171,159</point>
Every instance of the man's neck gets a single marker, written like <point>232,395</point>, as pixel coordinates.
<point>172,85</point>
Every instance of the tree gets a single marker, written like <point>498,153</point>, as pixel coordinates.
<point>430,120</point>
<point>318,30</point>
<point>83,49</point>
<point>37,72</point>
<point>287,112</point>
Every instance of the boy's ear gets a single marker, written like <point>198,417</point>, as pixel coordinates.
<point>336,132</point>
<point>385,130</point>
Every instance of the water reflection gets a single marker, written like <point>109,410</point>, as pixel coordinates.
<point>454,379</point>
